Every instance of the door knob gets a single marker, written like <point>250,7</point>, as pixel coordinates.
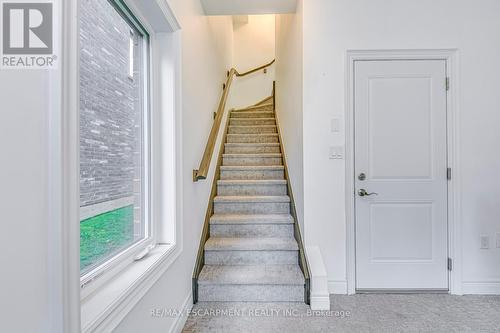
<point>362,193</point>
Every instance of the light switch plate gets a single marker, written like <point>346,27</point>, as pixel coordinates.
<point>498,240</point>
<point>336,125</point>
<point>485,242</point>
<point>337,152</point>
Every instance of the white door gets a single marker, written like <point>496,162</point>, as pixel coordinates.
<point>400,154</point>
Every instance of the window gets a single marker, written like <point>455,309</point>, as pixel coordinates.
<point>114,136</point>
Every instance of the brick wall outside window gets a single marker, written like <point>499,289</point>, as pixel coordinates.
<point>110,112</point>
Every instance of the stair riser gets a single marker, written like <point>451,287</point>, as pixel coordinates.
<point>251,293</point>
<point>280,189</point>
<point>252,174</point>
<point>248,219</point>
<point>252,230</point>
<point>252,161</point>
<point>259,108</point>
<point>252,129</point>
<point>252,208</point>
<point>252,114</point>
<point>264,108</point>
<point>252,138</point>
<point>251,149</point>
<point>251,257</point>
<point>251,121</point>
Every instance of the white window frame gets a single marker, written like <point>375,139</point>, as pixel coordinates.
<point>131,43</point>
<point>102,273</point>
<point>104,309</point>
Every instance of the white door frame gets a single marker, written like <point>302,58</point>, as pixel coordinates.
<point>451,57</point>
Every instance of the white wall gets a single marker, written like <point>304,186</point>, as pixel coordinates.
<point>331,27</point>
<point>253,46</point>
<point>289,99</point>
<point>31,269</point>
<point>24,140</point>
<point>206,55</point>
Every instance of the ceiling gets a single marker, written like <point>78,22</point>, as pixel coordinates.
<point>248,7</point>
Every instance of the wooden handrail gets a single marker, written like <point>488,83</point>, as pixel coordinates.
<point>202,171</point>
<point>255,69</point>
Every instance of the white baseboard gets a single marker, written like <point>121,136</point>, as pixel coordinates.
<point>320,302</point>
<point>320,297</point>
<point>481,288</point>
<point>338,287</point>
<point>180,321</point>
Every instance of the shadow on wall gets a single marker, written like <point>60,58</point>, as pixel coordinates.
<point>253,46</point>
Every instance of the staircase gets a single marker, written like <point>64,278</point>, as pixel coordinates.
<point>251,254</point>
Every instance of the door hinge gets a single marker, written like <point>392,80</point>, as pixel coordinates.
<point>447,83</point>
<point>448,173</point>
<point>450,264</point>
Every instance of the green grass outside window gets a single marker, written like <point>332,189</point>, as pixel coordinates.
<point>104,235</point>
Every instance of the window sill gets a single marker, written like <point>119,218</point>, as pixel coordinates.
<point>104,309</point>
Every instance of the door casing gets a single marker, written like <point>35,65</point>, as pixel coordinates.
<point>451,57</point>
